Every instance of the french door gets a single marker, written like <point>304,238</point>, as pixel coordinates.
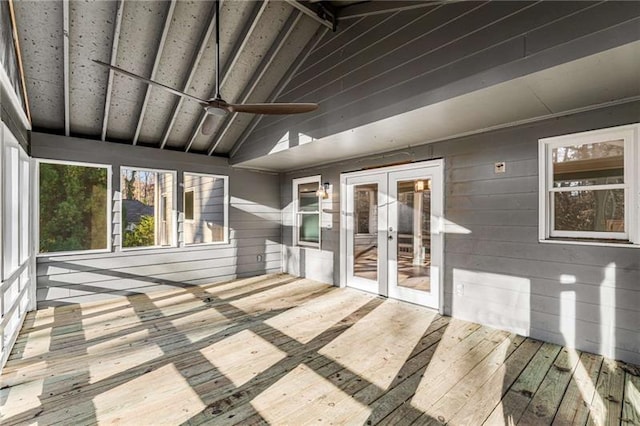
<point>391,240</point>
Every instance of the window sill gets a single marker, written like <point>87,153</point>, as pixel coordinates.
<point>73,253</point>
<point>603,243</point>
<point>125,249</point>
<point>213,243</point>
<point>309,246</point>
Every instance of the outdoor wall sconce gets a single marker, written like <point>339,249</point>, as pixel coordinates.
<point>323,191</point>
<point>420,185</point>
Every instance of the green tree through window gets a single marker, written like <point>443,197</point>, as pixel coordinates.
<point>73,207</point>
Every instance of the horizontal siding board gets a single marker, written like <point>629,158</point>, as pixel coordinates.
<point>493,217</point>
<point>586,293</point>
<point>625,278</point>
<point>524,201</point>
<point>588,255</point>
<point>520,150</point>
<point>123,263</point>
<point>517,168</point>
<point>515,185</point>
<point>625,319</point>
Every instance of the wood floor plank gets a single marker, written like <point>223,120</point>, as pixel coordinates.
<point>516,400</point>
<point>456,333</point>
<point>442,377</point>
<point>631,403</point>
<point>607,401</point>
<point>576,403</point>
<point>545,402</point>
<point>452,401</point>
<point>476,409</point>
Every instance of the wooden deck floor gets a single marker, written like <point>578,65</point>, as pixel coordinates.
<point>282,350</point>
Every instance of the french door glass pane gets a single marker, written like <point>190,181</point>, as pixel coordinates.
<point>594,211</point>
<point>365,237</point>
<point>414,226</point>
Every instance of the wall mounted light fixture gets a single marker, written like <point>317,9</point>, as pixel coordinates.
<point>323,191</point>
<point>421,185</point>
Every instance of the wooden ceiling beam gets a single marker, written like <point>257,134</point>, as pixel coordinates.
<point>322,14</point>
<point>156,64</point>
<point>65,59</point>
<point>239,46</point>
<point>266,62</point>
<point>310,47</point>
<point>202,46</point>
<point>114,55</point>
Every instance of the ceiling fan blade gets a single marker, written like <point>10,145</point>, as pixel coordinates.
<point>273,108</point>
<point>209,124</point>
<point>153,83</point>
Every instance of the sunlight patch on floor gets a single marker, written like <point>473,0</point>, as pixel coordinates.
<point>243,356</point>
<point>119,362</point>
<point>149,399</point>
<point>200,325</point>
<point>21,398</point>
<point>282,297</point>
<point>587,388</point>
<point>304,397</point>
<point>38,343</point>
<point>312,318</point>
<point>378,352</point>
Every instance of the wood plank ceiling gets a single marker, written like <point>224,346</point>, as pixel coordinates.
<point>169,41</point>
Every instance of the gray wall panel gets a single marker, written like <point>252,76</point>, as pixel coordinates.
<point>499,274</point>
<point>440,53</point>
<point>254,239</point>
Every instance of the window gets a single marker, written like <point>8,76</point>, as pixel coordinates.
<point>306,211</point>
<point>74,207</point>
<point>206,208</point>
<point>588,186</point>
<point>188,205</point>
<point>147,207</point>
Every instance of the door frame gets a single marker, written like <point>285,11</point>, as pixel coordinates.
<point>437,226</point>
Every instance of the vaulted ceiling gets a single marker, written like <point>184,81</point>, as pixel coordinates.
<point>172,42</point>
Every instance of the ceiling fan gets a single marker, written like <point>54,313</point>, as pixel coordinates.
<point>216,106</point>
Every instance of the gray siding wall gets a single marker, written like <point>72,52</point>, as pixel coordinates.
<point>383,65</point>
<point>499,274</point>
<point>254,219</point>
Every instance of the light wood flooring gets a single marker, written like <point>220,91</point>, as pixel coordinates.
<point>281,350</point>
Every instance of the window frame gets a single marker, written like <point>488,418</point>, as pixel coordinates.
<point>225,179</point>
<point>630,237</point>
<point>157,206</point>
<point>36,206</point>
<point>296,204</point>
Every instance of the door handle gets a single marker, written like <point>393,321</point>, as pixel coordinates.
<point>390,237</point>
